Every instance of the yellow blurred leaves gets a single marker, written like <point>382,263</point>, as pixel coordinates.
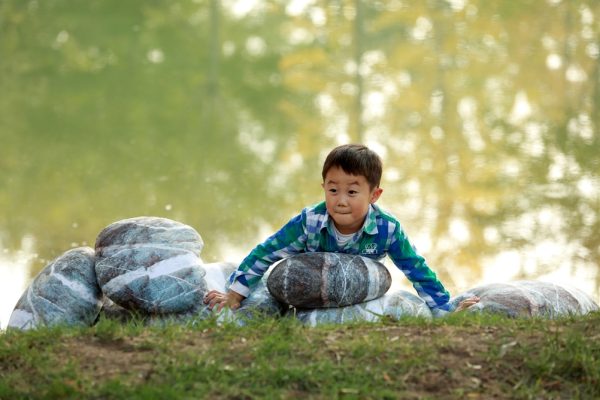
<point>299,69</point>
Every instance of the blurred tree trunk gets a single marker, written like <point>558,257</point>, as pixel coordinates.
<point>212,81</point>
<point>356,125</point>
<point>595,81</point>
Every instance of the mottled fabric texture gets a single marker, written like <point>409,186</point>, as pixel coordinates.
<point>259,304</point>
<point>529,299</point>
<point>65,292</point>
<point>394,305</point>
<point>313,280</point>
<point>312,231</point>
<point>151,265</point>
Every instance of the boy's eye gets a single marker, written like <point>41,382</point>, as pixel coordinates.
<point>352,192</point>
<point>332,190</point>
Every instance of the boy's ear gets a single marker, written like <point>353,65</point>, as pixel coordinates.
<point>376,194</point>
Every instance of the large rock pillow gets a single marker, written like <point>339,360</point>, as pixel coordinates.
<point>259,303</point>
<point>394,305</point>
<point>64,292</point>
<point>151,265</point>
<point>315,280</point>
<point>529,299</point>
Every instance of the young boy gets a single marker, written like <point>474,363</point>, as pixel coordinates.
<point>348,221</point>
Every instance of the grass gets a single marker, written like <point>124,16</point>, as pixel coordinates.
<point>463,356</point>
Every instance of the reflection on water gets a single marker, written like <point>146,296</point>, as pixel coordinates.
<point>219,115</point>
<point>14,276</point>
<point>510,265</point>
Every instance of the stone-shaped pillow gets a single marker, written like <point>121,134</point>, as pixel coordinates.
<point>316,280</point>
<point>151,264</point>
<point>217,275</point>
<point>259,303</point>
<point>64,292</point>
<point>529,299</point>
<point>394,305</point>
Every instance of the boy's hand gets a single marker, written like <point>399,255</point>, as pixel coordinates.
<point>463,305</point>
<point>230,299</point>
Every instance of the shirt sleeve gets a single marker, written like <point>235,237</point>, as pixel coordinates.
<point>290,239</point>
<point>424,280</point>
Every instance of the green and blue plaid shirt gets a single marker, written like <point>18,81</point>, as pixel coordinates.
<point>312,230</point>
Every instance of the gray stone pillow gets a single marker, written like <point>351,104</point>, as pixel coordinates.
<point>259,303</point>
<point>317,280</point>
<point>64,292</point>
<point>151,265</point>
<point>394,305</point>
<point>529,299</point>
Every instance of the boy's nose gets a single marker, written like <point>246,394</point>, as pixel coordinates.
<point>343,201</point>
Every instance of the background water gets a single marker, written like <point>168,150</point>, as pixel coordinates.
<point>219,114</point>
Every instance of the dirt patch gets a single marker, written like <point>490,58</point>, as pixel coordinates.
<point>135,358</point>
<point>106,360</point>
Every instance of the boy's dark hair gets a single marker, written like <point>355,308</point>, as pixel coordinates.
<point>355,159</point>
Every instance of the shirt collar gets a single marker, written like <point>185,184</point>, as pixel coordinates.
<point>369,226</point>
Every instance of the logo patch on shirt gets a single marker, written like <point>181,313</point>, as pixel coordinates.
<point>370,248</point>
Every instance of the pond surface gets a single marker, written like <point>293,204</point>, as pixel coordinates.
<point>220,114</point>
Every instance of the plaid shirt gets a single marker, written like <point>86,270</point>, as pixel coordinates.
<point>312,230</point>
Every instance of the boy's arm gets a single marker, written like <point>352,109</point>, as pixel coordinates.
<point>288,240</point>
<point>424,280</point>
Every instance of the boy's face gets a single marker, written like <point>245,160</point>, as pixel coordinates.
<point>347,198</point>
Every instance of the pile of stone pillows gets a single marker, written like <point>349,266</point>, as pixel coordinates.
<point>146,266</point>
<point>151,268</point>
